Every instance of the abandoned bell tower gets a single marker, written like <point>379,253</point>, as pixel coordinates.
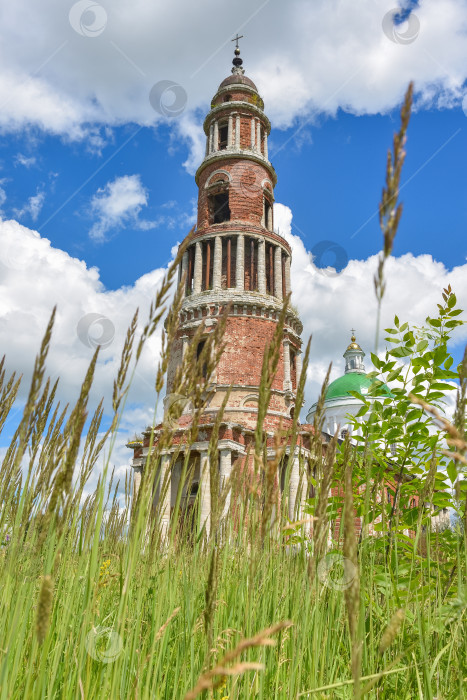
<point>237,262</point>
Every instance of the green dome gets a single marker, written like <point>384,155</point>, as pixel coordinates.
<point>352,381</point>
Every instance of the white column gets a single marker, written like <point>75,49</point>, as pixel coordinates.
<point>225,470</point>
<point>278,272</point>
<point>287,381</point>
<point>211,138</point>
<point>262,267</point>
<point>253,134</point>
<point>216,135</point>
<point>165,491</point>
<point>138,472</point>
<point>287,274</point>
<point>237,132</point>
<point>293,487</point>
<point>298,365</point>
<point>205,492</point>
<point>185,339</point>
<point>266,155</point>
<point>184,265</point>
<point>240,263</point>
<point>198,271</point>
<point>217,267</point>
<point>230,132</point>
<point>258,136</point>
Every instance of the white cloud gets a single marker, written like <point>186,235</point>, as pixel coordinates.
<point>118,203</point>
<point>330,55</point>
<point>26,161</point>
<point>32,207</point>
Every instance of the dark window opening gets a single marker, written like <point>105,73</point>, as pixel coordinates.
<point>199,350</point>
<point>229,255</point>
<point>190,271</point>
<point>223,135</point>
<point>251,265</point>
<point>270,269</point>
<point>208,264</point>
<point>227,98</point>
<point>293,369</point>
<point>267,214</point>
<point>194,489</point>
<point>219,210</point>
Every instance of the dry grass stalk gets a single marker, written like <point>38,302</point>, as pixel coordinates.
<point>391,631</point>
<point>270,484</point>
<point>162,629</point>
<point>389,210</point>
<point>44,608</point>
<point>324,474</point>
<point>352,592</point>
<point>224,668</point>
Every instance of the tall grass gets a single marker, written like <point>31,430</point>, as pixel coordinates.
<point>93,608</point>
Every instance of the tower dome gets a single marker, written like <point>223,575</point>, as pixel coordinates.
<point>340,402</point>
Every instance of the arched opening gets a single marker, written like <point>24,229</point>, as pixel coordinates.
<point>223,135</point>
<point>219,210</point>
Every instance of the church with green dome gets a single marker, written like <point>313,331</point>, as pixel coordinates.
<point>339,401</point>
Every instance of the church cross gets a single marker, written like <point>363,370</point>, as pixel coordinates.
<point>236,38</point>
<point>352,330</point>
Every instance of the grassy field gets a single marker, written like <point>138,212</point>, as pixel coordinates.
<point>95,605</point>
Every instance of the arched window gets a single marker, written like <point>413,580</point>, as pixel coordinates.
<point>223,136</point>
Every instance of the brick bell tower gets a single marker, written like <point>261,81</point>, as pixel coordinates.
<point>235,260</point>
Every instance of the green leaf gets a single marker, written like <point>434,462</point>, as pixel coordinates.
<point>441,386</point>
<point>452,471</point>
<point>376,361</point>
<point>391,330</point>
<point>452,301</point>
<point>422,345</point>
<point>395,373</point>
<point>396,321</point>
<point>400,352</point>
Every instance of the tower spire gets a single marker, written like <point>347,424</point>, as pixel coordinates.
<point>237,61</point>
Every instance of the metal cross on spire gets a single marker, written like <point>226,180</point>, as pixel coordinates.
<point>352,330</point>
<point>236,38</point>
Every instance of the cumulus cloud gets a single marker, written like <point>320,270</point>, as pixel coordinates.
<point>118,203</point>
<point>66,73</point>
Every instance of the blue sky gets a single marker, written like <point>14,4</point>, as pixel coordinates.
<point>97,186</point>
<point>330,175</point>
